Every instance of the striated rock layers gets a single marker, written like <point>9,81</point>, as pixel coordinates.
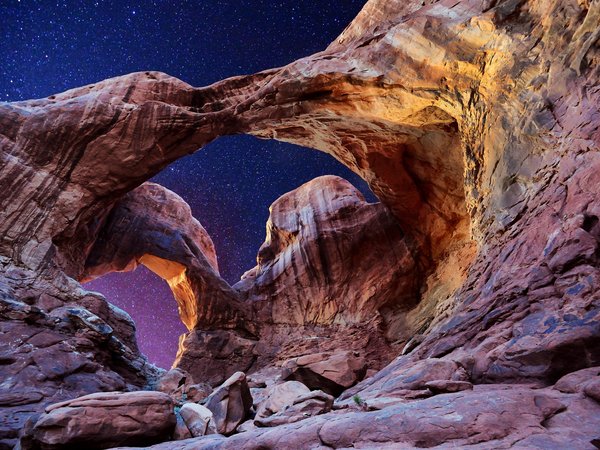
<point>308,291</point>
<point>105,420</point>
<point>477,125</point>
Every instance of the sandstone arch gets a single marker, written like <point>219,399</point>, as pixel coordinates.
<point>475,122</point>
<point>155,227</point>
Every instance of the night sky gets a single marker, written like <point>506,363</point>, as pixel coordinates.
<point>51,46</point>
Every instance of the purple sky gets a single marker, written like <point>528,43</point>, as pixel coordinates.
<point>149,301</point>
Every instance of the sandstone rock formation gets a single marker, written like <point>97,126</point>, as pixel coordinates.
<point>99,421</point>
<point>477,125</point>
<point>153,226</point>
<point>280,396</point>
<point>181,430</point>
<point>198,419</point>
<point>290,402</point>
<point>490,416</point>
<point>319,237</point>
<point>405,379</point>
<point>331,373</point>
<point>180,386</point>
<point>230,403</point>
<point>296,408</point>
<point>51,353</point>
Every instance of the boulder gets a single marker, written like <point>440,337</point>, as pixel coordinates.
<point>332,373</point>
<point>230,403</point>
<point>301,407</point>
<point>575,381</point>
<point>279,397</point>
<point>104,420</point>
<point>404,379</point>
<point>198,419</point>
<point>592,389</point>
<point>179,385</point>
<point>447,386</point>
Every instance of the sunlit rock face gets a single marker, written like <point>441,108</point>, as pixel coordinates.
<point>476,124</point>
<point>318,285</point>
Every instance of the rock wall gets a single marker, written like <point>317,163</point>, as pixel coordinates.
<point>475,122</point>
<point>57,342</point>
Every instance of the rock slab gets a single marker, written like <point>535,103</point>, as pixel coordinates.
<point>332,373</point>
<point>104,420</point>
<point>230,403</point>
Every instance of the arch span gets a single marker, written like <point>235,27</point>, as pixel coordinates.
<point>154,227</point>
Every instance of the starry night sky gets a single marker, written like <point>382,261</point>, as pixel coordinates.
<point>51,46</point>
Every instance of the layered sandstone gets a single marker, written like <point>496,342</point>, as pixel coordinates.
<point>325,244</point>
<point>154,227</point>
<point>490,417</point>
<point>58,344</point>
<point>476,124</point>
<point>319,237</point>
<point>99,421</point>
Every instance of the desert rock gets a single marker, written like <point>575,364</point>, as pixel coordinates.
<point>105,420</point>
<point>279,396</point>
<point>331,373</point>
<point>475,123</point>
<point>180,386</point>
<point>230,403</point>
<point>198,419</point>
<point>490,416</point>
<point>293,408</point>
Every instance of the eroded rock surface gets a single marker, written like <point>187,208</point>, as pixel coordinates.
<point>230,403</point>
<point>153,226</point>
<point>280,396</point>
<point>301,407</point>
<point>490,416</point>
<point>105,420</point>
<point>180,386</point>
<point>477,125</point>
<point>198,419</point>
<point>60,349</point>
<point>323,242</point>
<point>333,373</point>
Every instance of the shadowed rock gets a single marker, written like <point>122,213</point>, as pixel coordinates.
<point>230,403</point>
<point>155,227</point>
<point>330,373</point>
<point>100,421</point>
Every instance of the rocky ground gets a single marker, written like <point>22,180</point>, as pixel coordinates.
<point>460,311</point>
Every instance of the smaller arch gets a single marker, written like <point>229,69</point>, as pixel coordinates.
<point>154,227</point>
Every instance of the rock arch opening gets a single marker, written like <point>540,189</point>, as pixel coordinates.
<point>154,228</point>
<point>149,301</point>
<point>409,151</point>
